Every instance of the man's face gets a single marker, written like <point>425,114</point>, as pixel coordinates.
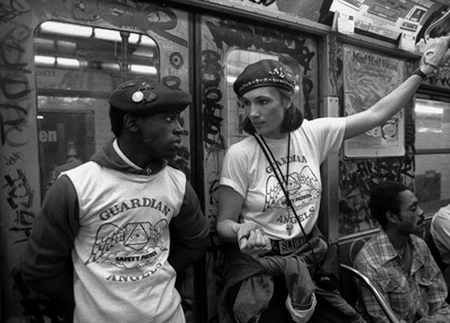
<point>160,134</point>
<point>411,216</point>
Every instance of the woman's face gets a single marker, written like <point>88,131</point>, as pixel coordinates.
<point>265,109</point>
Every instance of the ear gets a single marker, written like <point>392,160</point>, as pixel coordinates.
<point>130,122</point>
<point>290,101</point>
<point>392,217</point>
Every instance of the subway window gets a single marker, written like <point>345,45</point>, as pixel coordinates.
<point>77,67</point>
<point>432,155</point>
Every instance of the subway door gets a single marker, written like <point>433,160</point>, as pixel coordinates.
<point>227,47</point>
<point>60,62</point>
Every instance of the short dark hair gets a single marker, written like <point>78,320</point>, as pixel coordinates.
<point>116,117</point>
<point>292,120</point>
<point>385,197</point>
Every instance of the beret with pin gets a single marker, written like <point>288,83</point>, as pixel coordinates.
<point>267,72</point>
<point>145,97</point>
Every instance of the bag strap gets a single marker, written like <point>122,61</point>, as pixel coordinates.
<point>271,159</point>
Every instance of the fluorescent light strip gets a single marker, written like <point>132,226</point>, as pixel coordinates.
<point>429,110</point>
<point>67,62</point>
<point>44,60</point>
<point>54,27</point>
<point>107,34</point>
<point>143,69</point>
<point>110,66</point>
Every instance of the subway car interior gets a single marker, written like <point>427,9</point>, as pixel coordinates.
<point>61,59</point>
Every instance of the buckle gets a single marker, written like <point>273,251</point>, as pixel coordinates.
<point>284,247</point>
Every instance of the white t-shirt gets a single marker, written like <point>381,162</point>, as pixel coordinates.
<point>247,170</point>
<point>121,250</point>
<point>440,231</point>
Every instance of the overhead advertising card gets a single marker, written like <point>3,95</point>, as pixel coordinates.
<point>368,77</point>
<point>388,18</point>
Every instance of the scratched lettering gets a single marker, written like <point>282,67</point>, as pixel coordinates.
<point>12,160</point>
<point>212,95</point>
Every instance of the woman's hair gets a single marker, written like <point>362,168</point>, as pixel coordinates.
<point>385,197</point>
<point>293,117</point>
<point>116,116</point>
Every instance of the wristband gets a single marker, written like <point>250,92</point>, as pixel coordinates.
<point>419,73</point>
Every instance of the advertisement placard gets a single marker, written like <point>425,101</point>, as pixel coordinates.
<point>388,18</point>
<point>368,77</point>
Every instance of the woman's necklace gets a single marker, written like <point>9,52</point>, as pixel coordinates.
<point>273,162</point>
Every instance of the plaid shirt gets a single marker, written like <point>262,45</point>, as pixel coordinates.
<point>421,294</point>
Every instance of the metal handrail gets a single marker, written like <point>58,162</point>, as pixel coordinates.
<point>378,296</point>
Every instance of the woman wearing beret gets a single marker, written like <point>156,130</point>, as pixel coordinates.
<point>270,192</point>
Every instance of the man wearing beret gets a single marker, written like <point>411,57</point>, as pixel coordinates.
<point>111,215</point>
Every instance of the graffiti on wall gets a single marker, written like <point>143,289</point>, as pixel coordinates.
<point>358,177</point>
<point>16,90</point>
<point>20,199</point>
<point>441,79</point>
<point>16,104</point>
<point>212,96</point>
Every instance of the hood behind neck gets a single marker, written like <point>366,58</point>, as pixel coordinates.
<point>108,157</point>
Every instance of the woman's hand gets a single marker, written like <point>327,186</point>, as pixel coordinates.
<point>250,236</point>
<point>252,240</point>
<point>436,54</point>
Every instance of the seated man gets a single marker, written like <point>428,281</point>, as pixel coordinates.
<point>399,262</point>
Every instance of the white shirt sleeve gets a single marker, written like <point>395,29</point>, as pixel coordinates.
<point>440,231</point>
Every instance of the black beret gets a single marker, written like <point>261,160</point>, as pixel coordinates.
<point>146,96</point>
<point>266,72</point>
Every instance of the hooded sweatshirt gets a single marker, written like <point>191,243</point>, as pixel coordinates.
<point>114,222</point>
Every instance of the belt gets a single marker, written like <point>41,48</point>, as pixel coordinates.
<point>285,247</point>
